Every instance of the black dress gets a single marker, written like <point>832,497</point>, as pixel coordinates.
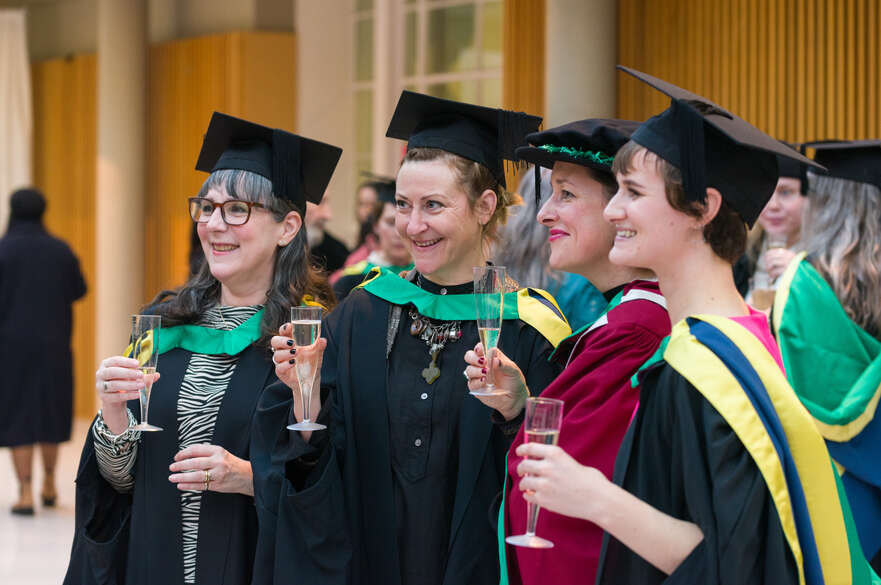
<point>401,488</point>
<point>39,280</point>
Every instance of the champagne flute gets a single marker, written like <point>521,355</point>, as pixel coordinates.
<point>305,329</point>
<point>544,416</point>
<point>489,300</point>
<point>144,350</point>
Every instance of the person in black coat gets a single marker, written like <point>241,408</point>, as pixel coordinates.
<point>39,280</point>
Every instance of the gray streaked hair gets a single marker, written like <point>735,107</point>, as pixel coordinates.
<point>842,236</point>
<point>523,242</point>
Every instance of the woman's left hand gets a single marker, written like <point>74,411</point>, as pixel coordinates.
<point>557,482</point>
<point>211,467</point>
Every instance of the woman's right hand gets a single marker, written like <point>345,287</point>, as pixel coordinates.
<point>118,380</point>
<point>285,356</point>
<point>507,377</point>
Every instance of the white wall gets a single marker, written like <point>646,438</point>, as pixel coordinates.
<point>324,96</point>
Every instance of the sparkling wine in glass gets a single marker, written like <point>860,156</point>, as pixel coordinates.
<point>306,329</point>
<point>489,301</point>
<point>544,416</point>
<point>143,350</point>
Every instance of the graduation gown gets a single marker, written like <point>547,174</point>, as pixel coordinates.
<point>769,504</point>
<point>136,538</point>
<point>842,395</point>
<point>329,510</point>
<point>40,278</point>
<point>599,404</point>
<point>351,276</point>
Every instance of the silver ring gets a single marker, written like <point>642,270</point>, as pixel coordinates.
<point>105,385</point>
<point>465,373</point>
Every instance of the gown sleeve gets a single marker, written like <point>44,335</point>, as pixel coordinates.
<point>299,495</point>
<point>686,461</point>
<point>116,454</point>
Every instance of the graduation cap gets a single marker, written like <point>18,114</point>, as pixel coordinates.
<point>591,143</point>
<point>713,148</point>
<point>383,185</point>
<point>787,167</point>
<point>484,135</point>
<point>299,168</point>
<point>854,160</point>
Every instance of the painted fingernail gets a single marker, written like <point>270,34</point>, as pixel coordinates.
<point>483,378</point>
<point>290,342</point>
<point>481,361</point>
<point>294,351</point>
<point>482,370</point>
<point>292,361</point>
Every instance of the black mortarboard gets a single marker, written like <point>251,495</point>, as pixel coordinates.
<point>485,135</point>
<point>854,160</point>
<point>793,169</point>
<point>591,143</point>
<point>384,186</point>
<point>713,148</point>
<point>299,168</point>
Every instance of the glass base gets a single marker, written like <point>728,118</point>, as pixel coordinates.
<point>529,541</point>
<point>306,426</point>
<point>146,427</point>
<point>487,391</point>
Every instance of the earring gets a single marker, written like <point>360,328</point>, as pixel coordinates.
<point>282,243</point>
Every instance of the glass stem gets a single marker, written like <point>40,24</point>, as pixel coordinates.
<point>531,518</point>
<point>490,378</point>
<point>145,403</point>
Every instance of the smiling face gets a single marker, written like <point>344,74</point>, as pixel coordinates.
<point>437,222</point>
<point>649,232</point>
<point>242,257</point>
<point>579,237</point>
<point>782,216</point>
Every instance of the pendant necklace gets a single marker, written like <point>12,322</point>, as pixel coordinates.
<point>436,336</point>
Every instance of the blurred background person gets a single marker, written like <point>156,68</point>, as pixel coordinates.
<point>371,195</point>
<point>389,251</point>
<point>328,253</point>
<point>774,242</point>
<point>828,322</point>
<point>39,280</point>
<point>523,248</point>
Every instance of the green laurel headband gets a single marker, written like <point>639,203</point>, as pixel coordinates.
<point>592,155</point>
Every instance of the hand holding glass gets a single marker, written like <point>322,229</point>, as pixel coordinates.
<point>489,301</point>
<point>144,350</point>
<point>305,329</point>
<point>544,417</point>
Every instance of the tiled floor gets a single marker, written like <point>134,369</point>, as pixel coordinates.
<point>35,550</point>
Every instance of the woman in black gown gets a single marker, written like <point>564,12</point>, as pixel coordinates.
<point>176,506</point>
<point>401,488</point>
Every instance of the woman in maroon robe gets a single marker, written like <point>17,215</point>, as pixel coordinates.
<point>599,359</point>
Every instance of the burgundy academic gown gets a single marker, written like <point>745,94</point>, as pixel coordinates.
<point>599,404</point>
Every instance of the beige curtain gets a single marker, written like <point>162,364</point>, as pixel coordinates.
<point>16,120</point>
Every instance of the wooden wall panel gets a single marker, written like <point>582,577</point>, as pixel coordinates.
<point>246,74</point>
<point>798,69</point>
<point>65,147</point>
<point>523,62</point>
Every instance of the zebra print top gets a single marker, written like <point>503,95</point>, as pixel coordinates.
<point>199,399</point>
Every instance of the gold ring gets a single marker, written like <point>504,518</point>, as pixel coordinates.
<point>207,479</point>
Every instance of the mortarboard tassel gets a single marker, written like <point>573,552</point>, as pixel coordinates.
<point>287,171</point>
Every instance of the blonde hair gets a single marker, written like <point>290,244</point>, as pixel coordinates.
<point>842,236</point>
<point>474,178</point>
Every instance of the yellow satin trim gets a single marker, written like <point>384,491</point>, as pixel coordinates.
<point>554,327</point>
<point>357,268</point>
<point>145,348</point>
<point>723,391</point>
<point>783,285</point>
